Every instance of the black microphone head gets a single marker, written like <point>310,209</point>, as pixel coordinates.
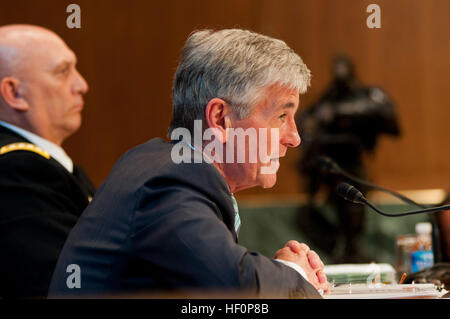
<point>327,165</point>
<point>350,193</point>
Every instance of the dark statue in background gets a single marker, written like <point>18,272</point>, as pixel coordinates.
<point>343,124</point>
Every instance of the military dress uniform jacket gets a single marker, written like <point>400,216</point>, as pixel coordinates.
<point>156,226</point>
<point>40,202</point>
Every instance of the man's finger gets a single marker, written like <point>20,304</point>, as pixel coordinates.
<point>314,260</point>
<point>296,247</point>
<point>281,251</point>
<point>326,287</point>
<point>293,244</point>
<point>321,276</point>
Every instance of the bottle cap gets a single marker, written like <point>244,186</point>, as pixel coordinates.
<point>423,228</point>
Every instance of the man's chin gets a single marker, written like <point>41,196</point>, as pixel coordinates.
<point>268,180</point>
<point>76,122</point>
<point>73,126</point>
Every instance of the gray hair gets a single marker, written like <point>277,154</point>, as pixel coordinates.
<point>235,65</point>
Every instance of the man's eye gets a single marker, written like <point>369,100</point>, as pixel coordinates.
<point>282,116</point>
<point>63,71</point>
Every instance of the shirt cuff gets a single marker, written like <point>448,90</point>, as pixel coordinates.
<point>295,267</point>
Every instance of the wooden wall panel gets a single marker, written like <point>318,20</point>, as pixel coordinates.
<point>128,52</point>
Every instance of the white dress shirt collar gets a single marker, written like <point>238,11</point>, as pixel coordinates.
<point>54,150</point>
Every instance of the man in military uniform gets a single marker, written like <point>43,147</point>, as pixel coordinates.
<point>42,193</point>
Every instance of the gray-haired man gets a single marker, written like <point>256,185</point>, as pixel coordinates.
<point>166,218</point>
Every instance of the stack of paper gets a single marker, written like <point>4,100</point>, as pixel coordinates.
<point>383,291</point>
<point>360,273</point>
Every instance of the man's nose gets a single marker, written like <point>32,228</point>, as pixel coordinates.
<point>80,85</point>
<point>291,138</point>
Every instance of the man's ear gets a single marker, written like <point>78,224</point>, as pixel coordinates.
<point>10,91</point>
<point>217,114</point>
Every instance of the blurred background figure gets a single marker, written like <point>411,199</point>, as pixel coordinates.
<point>343,124</point>
<point>42,190</point>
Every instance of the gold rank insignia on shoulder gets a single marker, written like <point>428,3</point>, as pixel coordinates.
<point>24,147</point>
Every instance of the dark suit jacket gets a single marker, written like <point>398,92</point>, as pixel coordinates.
<point>157,226</point>
<point>40,201</point>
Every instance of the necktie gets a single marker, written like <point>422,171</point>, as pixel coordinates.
<point>237,219</point>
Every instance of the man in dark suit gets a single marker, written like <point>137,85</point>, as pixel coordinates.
<point>166,220</point>
<point>42,193</point>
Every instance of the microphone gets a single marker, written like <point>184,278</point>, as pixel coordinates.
<point>352,194</point>
<point>327,165</point>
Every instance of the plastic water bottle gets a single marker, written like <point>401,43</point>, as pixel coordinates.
<point>422,256</point>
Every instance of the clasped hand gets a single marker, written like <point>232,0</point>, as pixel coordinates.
<point>308,259</point>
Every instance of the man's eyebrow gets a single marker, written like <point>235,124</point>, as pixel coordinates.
<point>288,105</point>
<point>62,65</point>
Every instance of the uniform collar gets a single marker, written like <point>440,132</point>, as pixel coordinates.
<point>54,150</point>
